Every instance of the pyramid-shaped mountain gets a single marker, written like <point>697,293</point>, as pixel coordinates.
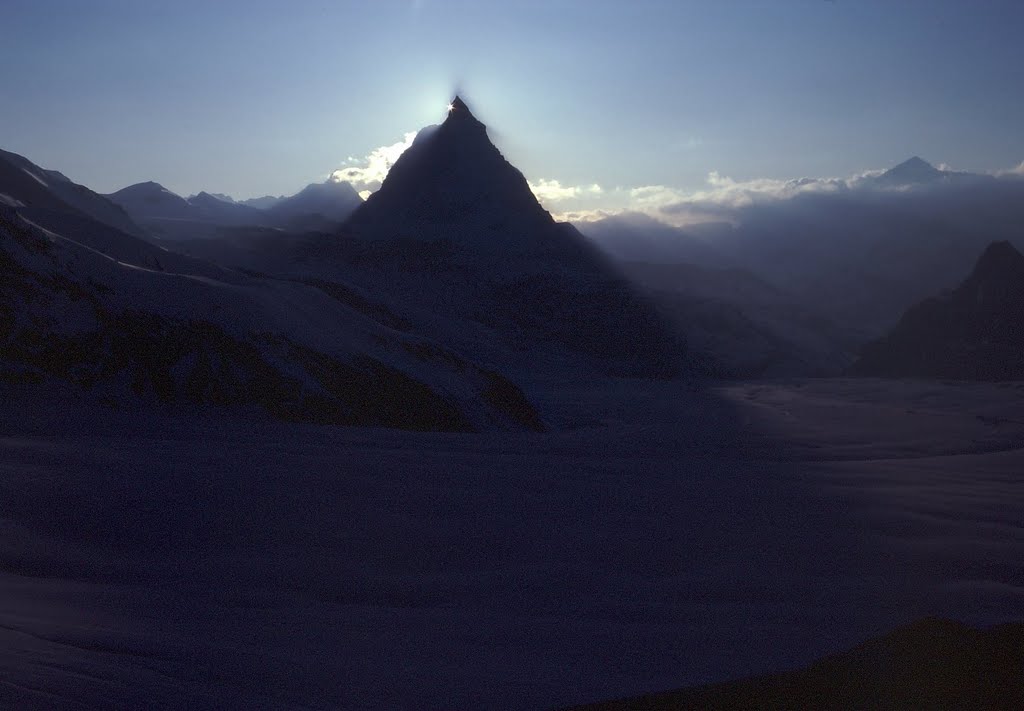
<point>976,332</point>
<point>454,177</point>
<point>913,171</point>
<point>459,225</point>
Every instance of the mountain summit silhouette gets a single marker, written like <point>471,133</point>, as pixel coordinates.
<point>913,171</point>
<point>453,176</point>
<point>461,221</point>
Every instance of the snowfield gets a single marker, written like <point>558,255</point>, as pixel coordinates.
<point>659,535</point>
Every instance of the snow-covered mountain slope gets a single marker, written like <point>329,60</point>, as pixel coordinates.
<point>73,315</point>
<point>455,238</point>
<point>24,183</point>
<point>975,332</point>
<point>37,198</point>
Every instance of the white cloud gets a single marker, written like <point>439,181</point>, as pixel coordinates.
<point>548,191</point>
<point>723,191</point>
<point>368,173</point>
<point>584,215</point>
<point>680,207</point>
<point>720,194</point>
<point>653,196</point>
<point>1016,170</point>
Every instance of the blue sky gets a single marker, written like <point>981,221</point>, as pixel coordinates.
<point>259,97</point>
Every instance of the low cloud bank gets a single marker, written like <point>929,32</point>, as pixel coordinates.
<point>722,198</point>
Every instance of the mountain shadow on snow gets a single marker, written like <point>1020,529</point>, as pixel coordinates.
<point>457,227</point>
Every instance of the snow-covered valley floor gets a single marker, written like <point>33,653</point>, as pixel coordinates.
<point>658,536</point>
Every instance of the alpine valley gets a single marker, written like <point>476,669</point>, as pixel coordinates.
<point>436,449</point>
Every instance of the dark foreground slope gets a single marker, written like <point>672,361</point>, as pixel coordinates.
<point>932,664</point>
<point>976,332</point>
<point>216,563</point>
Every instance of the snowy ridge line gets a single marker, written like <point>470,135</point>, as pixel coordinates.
<point>61,238</point>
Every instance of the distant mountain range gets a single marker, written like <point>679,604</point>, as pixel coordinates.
<point>975,332</point>
<point>168,216</point>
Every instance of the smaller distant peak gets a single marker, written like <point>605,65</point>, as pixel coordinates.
<point>209,198</point>
<point>916,164</point>
<point>913,171</point>
<point>917,160</point>
<point>146,187</point>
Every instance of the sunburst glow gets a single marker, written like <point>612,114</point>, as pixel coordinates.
<point>451,107</point>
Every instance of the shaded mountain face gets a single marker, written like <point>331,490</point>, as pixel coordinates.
<point>333,199</point>
<point>976,332</point>
<point>262,203</point>
<point>27,185</point>
<point>317,206</point>
<point>88,309</point>
<point>454,183</point>
<point>455,230</point>
<point>150,199</point>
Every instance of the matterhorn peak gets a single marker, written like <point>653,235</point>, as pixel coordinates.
<point>460,115</point>
<point>457,109</point>
<point>453,176</point>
